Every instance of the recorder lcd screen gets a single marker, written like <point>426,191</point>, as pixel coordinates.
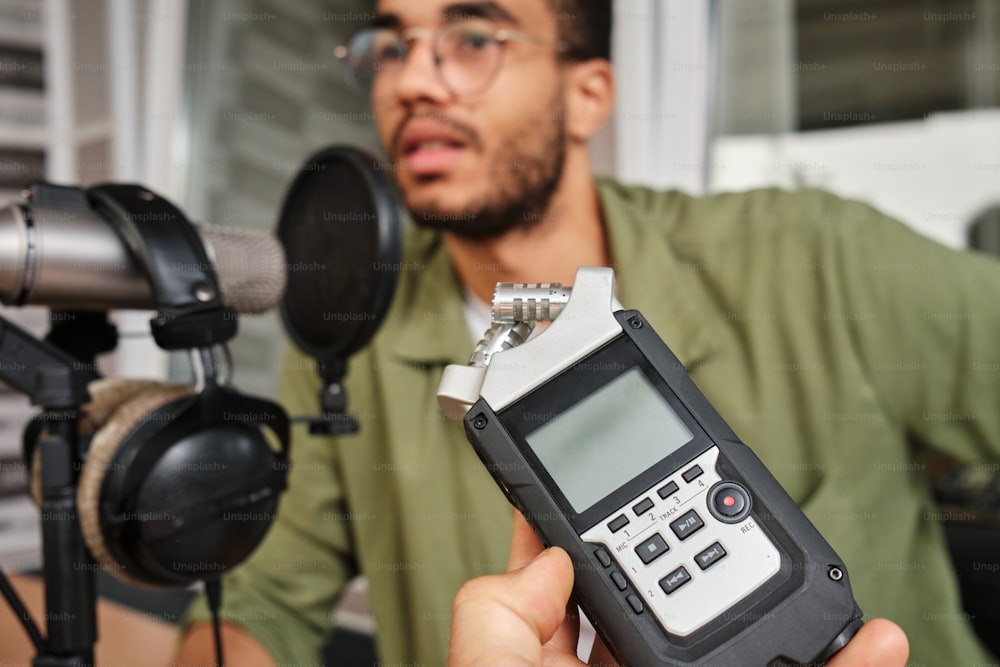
<point>608,438</point>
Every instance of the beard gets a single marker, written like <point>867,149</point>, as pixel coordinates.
<point>525,175</point>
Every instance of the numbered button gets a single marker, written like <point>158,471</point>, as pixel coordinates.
<point>618,523</point>
<point>642,507</point>
<point>692,473</point>
<point>667,490</point>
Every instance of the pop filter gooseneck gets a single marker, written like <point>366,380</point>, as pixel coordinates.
<point>340,226</point>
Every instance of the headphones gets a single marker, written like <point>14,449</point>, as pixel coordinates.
<point>177,484</point>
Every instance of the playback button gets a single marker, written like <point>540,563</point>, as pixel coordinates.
<point>652,549</point>
<point>687,525</point>
<point>710,556</point>
<point>674,580</point>
<point>729,502</point>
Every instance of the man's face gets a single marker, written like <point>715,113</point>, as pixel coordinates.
<point>477,165</point>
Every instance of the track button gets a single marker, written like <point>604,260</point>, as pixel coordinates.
<point>667,490</point>
<point>618,523</point>
<point>692,473</point>
<point>642,507</point>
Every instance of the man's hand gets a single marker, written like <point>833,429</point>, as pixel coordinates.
<point>880,643</point>
<point>519,619</point>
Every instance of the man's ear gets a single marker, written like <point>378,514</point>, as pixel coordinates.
<point>590,94</point>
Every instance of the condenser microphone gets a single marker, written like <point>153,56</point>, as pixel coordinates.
<point>71,257</point>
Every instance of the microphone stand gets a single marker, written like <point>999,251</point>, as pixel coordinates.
<point>334,418</point>
<point>57,382</point>
<point>191,315</point>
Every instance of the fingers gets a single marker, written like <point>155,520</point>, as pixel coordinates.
<point>567,635</point>
<point>505,619</point>
<point>880,643</point>
<point>524,547</point>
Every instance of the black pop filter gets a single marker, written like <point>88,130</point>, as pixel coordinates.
<point>340,226</point>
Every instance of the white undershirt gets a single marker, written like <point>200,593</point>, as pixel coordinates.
<point>478,315</point>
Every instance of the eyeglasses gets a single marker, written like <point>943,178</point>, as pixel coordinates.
<point>468,54</point>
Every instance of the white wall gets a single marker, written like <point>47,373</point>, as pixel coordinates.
<point>664,64</point>
<point>934,174</point>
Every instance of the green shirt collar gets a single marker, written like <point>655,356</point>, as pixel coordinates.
<point>651,279</point>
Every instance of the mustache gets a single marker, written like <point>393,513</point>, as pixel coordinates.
<point>466,132</point>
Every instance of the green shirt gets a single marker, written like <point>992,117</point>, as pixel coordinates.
<point>836,342</point>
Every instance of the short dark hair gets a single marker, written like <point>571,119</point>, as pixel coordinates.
<point>585,27</point>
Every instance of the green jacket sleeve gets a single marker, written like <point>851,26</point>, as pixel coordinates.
<point>285,592</point>
<point>926,326</point>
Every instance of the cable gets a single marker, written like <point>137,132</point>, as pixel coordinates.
<point>213,589</point>
<point>204,359</point>
<point>229,367</point>
<point>17,606</point>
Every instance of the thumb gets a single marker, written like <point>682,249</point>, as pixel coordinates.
<point>880,643</point>
<point>506,618</point>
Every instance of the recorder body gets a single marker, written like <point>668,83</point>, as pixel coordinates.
<point>687,551</point>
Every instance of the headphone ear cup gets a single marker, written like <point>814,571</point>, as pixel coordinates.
<point>140,519</point>
<point>217,482</point>
<point>106,396</point>
<point>104,448</point>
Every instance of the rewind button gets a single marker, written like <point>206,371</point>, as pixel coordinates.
<point>674,580</point>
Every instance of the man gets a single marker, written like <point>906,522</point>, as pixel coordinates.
<point>790,311</point>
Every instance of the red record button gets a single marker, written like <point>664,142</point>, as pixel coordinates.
<point>729,502</point>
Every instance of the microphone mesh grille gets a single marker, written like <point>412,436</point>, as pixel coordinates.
<point>249,265</point>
